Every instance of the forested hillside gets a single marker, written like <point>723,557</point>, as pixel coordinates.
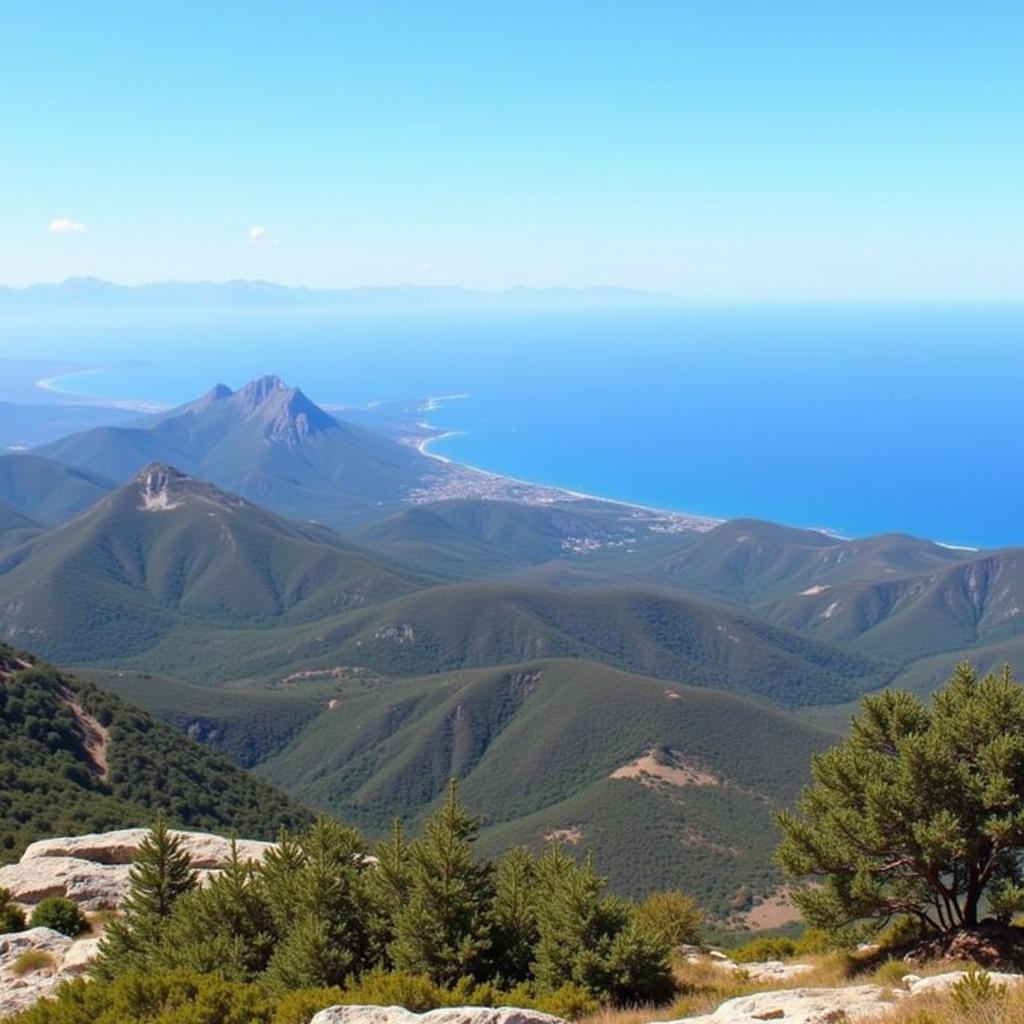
<point>74,759</point>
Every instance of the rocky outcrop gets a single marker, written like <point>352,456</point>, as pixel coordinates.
<point>449,1015</point>
<point>764,970</point>
<point>93,869</point>
<point>804,1006</point>
<point>943,982</point>
<point>65,958</point>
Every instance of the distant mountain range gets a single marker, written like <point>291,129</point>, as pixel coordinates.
<point>90,291</point>
<point>357,621</point>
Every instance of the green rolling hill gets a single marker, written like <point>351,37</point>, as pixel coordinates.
<point>475,625</point>
<point>670,784</point>
<point>15,528</point>
<point>167,551</point>
<point>750,563</point>
<point>45,490</point>
<point>970,604</point>
<point>75,759</point>
<point>471,538</point>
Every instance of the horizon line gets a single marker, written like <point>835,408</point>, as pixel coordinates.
<point>655,295</point>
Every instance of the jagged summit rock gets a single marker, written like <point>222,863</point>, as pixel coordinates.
<point>287,415</point>
<point>257,391</point>
<point>163,488</point>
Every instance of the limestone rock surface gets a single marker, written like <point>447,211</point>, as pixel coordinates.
<point>93,869</point>
<point>67,958</point>
<point>804,1006</point>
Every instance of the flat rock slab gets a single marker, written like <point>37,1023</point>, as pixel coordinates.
<point>803,1006</point>
<point>943,982</point>
<point>448,1015</point>
<point>93,869</point>
<point>122,845</point>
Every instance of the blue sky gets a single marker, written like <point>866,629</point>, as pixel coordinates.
<point>717,150</point>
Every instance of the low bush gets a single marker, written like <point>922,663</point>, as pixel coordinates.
<point>758,950</point>
<point>11,917</point>
<point>185,997</point>
<point>902,932</point>
<point>891,973</point>
<point>60,914</point>
<point>814,941</point>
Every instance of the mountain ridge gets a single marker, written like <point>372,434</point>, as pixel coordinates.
<point>268,442</point>
<point>241,292</point>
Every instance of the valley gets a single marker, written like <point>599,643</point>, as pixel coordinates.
<point>274,582</point>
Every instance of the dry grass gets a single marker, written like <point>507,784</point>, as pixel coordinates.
<point>703,987</point>
<point>99,920</point>
<point>1006,1007</point>
<point>31,960</point>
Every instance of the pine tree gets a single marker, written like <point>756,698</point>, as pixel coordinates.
<point>569,918</point>
<point>443,930</point>
<point>596,941</point>
<point>160,875</point>
<point>280,873</point>
<point>225,927</point>
<point>388,886</point>
<point>329,936</point>
<point>919,811</point>
<point>515,916</point>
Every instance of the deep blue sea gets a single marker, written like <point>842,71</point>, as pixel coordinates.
<point>858,420</point>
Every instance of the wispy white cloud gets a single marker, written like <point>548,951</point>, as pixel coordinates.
<point>257,234</point>
<point>66,226</point>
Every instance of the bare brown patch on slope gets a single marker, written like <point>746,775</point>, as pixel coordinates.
<point>95,736</point>
<point>668,767</point>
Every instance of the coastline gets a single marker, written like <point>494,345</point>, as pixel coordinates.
<point>535,493</point>
<point>52,385</point>
<point>489,483</point>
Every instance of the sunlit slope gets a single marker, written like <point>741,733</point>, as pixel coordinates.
<point>167,552</point>
<point>664,780</point>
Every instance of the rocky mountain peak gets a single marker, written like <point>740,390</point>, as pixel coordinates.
<point>218,393</point>
<point>287,415</point>
<point>162,487</point>
<point>258,391</point>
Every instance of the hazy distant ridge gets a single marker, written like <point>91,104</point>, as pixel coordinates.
<point>91,291</point>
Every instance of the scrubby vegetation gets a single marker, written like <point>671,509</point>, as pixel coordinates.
<point>12,919</point>
<point>31,960</point>
<point>422,922</point>
<point>60,914</point>
<point>919,812</point>
<point>74,759</point>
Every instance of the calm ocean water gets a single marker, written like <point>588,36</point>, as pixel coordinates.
<point>856,420</point>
